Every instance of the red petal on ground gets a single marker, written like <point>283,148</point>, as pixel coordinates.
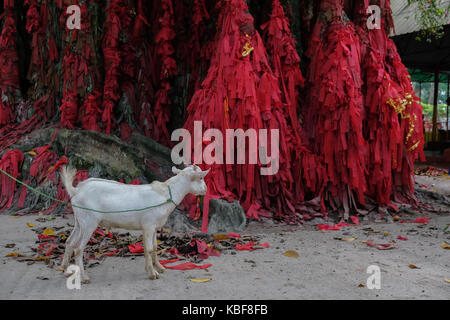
<point>44,237</point>
<point>421,220</point>
<point>380,246</point>
<point>418,220</point>
<point>50,250</point>
<point>204,250</point>
<point>164,262</point>
<point>234,235</point>
<point>327,227</point>
<point>136,248</point>
<point>355,220</point>
<point>175,252</point>
<point>246,246</point>
<point>110,254</point>
<point>188,266</point>
<point>342,225</point>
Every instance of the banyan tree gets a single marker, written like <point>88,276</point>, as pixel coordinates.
<point>349,122</point>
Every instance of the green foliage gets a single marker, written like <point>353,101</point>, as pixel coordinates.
<point>430,16</point>
<point>428,111</point>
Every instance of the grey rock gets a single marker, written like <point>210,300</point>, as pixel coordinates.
<point>225,217</point>
<point>178,221</point>
<point>315,222</point>
<point>105,156</point>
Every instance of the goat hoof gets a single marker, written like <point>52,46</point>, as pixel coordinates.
<point>154,276</point>
<point>160,269</point>
<point>67,274</point>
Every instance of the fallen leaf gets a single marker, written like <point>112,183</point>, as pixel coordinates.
<point>387,234</point>
<point>402,238</point>
<point>48,232</point>
<point>41,258</point>
<point>221,237</point>
<point>13,254</point>
<point>396,218</point>
<point>361,285</point>
<point>413,266</point>
<point>32,153</point>
<point>445,245</point>
<point>200,280</point>
<point>10,245</point>
<point>348,239</point>
<point>447,280</point>
<point>291,254</point>
<point>59,269</point>
<point>31,225</point>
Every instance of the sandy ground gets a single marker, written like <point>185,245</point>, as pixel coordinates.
<point>326,268</point>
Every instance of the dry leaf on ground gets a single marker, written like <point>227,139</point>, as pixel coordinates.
<point>291,254</point>
<point>445,245</point>
<point>203,280</point>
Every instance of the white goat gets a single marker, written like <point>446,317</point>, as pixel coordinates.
<point>104,196</point>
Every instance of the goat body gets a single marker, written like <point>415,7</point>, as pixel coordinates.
<point>110,204</point>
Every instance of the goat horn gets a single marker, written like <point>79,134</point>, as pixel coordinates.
<point>175,170</point>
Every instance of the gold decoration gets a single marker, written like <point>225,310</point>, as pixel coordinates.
<point>247,49</point>
<point>414,147</point>
<point>400,106</point>
<point>412,126</point>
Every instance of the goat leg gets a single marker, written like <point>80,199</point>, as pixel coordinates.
<point>156,264</point>
<point>148,251</point>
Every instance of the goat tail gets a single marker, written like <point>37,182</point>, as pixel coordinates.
<point>67,177</point>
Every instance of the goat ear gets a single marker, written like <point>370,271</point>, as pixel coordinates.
<point>175,170</point>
